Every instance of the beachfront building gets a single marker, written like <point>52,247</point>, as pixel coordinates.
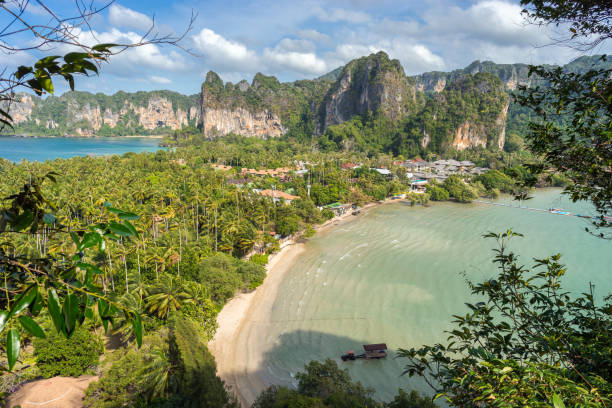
<point>385,172</point>
<point>351,166</point>
<point>418,185</point>
<point>281,172</point>
<point>277,195</point>
<point>337,208</point>
<point>416,165</point>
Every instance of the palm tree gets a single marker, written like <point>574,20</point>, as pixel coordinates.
<point>155,375</point>
<point>166,296</point>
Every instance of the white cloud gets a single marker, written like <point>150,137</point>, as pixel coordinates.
<point>231,57</point>
<point>492,21</point>
<point>415,58</point>
<point>12,60</point>
<point>160,79</point>
<point>127,18</point>
<point>287,44</point>
<point>133,61</point>
<point>221,52</point>
<point>314,35</point>
<point>336,15</point>
<point>302,62</point>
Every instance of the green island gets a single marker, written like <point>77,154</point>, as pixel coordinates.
<point>125,280</point>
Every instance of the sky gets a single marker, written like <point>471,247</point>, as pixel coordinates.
<point>290,39</point>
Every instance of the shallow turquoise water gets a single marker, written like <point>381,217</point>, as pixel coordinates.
<point>46,148</point>
<point>394,275</point>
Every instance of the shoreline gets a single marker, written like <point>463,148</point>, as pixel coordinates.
<point>237,364</point>
<point>24,136</point>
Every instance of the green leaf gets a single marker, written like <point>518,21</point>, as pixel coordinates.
<point>75,56</point>
<point>103,308</point>
<point>557,401</point>
<point>112,209</point>
<point>132,229</point>
<point>119,229</point>
<point>90,239</point>
<point>23,221</point>
<point>70,310</point>
<point>90,267</point>
<point>76,240</point>
<point>129,216</point>
<point>54,310</point>
<point>4,316</point>
<point>46,84</point>
<point>37,305</point>
<point>12,347</point>
<point>103,47</point>
<point>137,325</point>
<point>22,71</point>
<point>30,325</point>
<point>24,300</point>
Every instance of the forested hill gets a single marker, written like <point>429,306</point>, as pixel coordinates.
<point>121,114</point>
<point>369,104</point>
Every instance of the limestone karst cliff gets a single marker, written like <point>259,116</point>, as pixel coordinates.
<point>85,114</point>
<point>436,111</point>
<point>369,84</point>
<point>247,110</point>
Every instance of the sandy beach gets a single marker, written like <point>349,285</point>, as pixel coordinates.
<point>237,353</point>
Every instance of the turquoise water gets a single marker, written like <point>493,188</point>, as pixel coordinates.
<point>395,275</point>
<point>46,148</point>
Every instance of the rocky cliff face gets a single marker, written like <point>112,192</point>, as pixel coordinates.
<point>470,112</point>
<point>85,114</point>
<point>248,110</point>
<point>470,135</point>
<point>368,84</point>
<point>240,121</point>
<point>512,75</point>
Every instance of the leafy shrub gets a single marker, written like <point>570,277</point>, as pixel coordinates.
<point>459,190</point>
<point>437,193</point>
<point>68,357</point>
<point>252,274</point>
<point>260,259</point>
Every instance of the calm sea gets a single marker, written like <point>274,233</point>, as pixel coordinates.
<point>395,275</point>
<point>46,148</point>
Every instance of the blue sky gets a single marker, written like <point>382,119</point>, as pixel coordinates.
<point>295,39</point>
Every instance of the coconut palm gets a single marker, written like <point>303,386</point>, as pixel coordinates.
<point>166,296</point>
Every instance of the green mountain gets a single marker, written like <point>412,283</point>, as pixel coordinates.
<point>370,103</point>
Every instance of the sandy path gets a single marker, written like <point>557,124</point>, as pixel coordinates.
<point>238,354</point>
<point>56,392</point>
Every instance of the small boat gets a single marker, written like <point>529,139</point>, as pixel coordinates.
<point>372,351</point>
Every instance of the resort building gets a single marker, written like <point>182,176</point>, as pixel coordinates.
<point>277,195</point>
<point>337,208</point>
<point>383,171</point>
<point>279,172</point>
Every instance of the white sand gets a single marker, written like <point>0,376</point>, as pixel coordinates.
<point>239,354</point>
<point>238,360</point>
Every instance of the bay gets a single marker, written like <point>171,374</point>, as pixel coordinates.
<point>16,149</point>
<point>396,274</point>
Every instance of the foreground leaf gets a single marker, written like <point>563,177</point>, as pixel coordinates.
<point>12,347</point>
<point>31,326</point>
